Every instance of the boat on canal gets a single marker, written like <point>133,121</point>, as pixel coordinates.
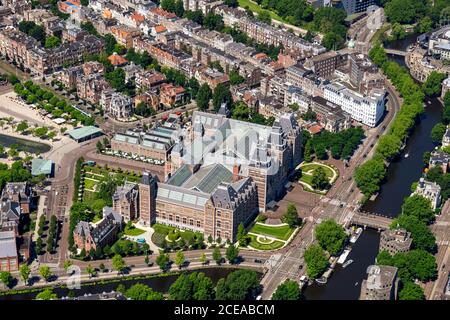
<point>349,262</point>
<point>343,256</point>
<point>321,280</point>
<point>355,236</point>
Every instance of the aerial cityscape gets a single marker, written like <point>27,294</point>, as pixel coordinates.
<point>224,150</point>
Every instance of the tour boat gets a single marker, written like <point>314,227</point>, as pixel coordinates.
<point>321,280</point>
<point>349,262</point>
<point>343,256</point>
<point>356,235</point>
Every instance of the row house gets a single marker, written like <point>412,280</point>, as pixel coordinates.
<point>18,6</point>
<point>150,98</point>
<point>91,86</point>
<point>25,50</point>
<point>212,77</point>
<point>73,33</point>
<point>167,56</point>
<point>124,34</point>
<point>205,6</point>
<point>52,24</point>
<point>171,95</point>
<point>147,80</point>
<point>264,33</point>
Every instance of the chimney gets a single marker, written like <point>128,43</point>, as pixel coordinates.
<point>236,169</point>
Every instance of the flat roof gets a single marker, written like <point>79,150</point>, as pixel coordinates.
<point>83,132</point>
<point>41,166</point>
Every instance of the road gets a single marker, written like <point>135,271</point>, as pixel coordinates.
<point>287,265</point>
<point>441,230</point>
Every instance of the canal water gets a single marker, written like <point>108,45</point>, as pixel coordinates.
<point>158,283</point>
<point>345,284</point>
<point>24,144</point>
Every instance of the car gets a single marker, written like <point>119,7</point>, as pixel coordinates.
<point>258,261</point>
<point>371,145</point>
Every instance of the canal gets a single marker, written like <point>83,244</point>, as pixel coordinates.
<point>157,283</point>
<point>345,283</point>
<point>24,144</point>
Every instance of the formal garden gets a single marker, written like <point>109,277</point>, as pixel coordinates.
<point>264,236</point>
<point>317,177</point>
<point>167,237</point>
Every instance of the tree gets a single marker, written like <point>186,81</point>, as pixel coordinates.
<point>67,264</point>
<point>52,42</point>
<point>433,84</point>
<point>204,95</point>
<point>24,273</point>
<point>264,16</point>
<point>118,263</point>
<point>47,294</point>
<point>389,146</point>
<point>308,149</point>
<point>316,261</point>
<point>240,232</point>
<point>90,271</point>
<point>179,9</point>
<point>235,77</point>
<point>22,126</point>
<point>231,3</point>
<point>238,285</point>
<point>331,236</point>
<point>217,256</point>
<point>232,254</point>
<point>203,258</point>
<point>99,146</point>
<point>162,261</point>
<point>38,246</point>
<point>369,175</point>
<point>6,278</point>
<point>179,259</point>
<point>411,291</point>
<point>84,2</point>
<point>140,291</point>
<point>168,5</point>
<point>45,272</point>
<point>425,25</point>
<point>213,21</point>
<point>422,236</point>
<point>291,216</point>
<point>404,11</point>
<point>288,290</point>
<point>438,132</point>
<point>419,207</point>
<point>319,179</point>
<point>195,286</point>
<point>221,95</point>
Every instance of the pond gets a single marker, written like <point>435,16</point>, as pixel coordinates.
<point>24,144</point>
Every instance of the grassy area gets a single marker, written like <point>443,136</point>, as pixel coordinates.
<point>260,246</point>
<point>280,232</point>
<point>255,8</point>
<point>161,231</point>
<point>134,232</point>
<point>310,167</point>
<point>378,36</point>
<point>98,171</point>
<point>90,184</point>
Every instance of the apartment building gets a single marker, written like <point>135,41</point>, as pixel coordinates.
<point>365,109</point>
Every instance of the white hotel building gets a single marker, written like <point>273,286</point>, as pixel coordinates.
<point>365,109</point>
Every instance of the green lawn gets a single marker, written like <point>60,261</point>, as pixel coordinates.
<point>280,232</point>
<point>134,232</point>
<point>257,245</point>
<point>164,230</point>
<point>313,166</point>
<point>255,8</point>
<point>90,184</point>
